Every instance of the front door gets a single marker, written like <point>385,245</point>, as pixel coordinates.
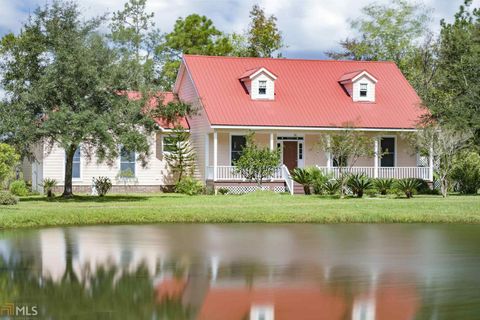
<point>290,154</point>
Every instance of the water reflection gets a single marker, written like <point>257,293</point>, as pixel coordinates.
<point>269,272</point>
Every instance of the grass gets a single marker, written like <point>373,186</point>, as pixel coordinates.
<point>37,211</point>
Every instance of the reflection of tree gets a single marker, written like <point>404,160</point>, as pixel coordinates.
<point>108,293</point>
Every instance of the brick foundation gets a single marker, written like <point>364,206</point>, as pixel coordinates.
<point>118,189</point>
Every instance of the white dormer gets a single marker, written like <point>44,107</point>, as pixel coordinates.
<point>360,85</point>
<point>260,83</point>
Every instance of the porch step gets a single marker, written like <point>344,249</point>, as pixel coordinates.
<point>297,188</point>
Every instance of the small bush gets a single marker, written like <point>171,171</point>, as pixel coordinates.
<point>332,186</point>
<point>102,185</point>
<point>19,188</point>
<point>6,198</point>
<point>359,183</point>
<point>466,173</point>
<point>223,191</point>
<point>383,186</point>
<point>189,185</point>
<point>318,179</point>
<point>409,186</point>
<point>48,185</point>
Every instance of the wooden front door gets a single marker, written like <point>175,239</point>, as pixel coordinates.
<point>290,154</point>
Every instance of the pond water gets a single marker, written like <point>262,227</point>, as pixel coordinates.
<point>248,271</point>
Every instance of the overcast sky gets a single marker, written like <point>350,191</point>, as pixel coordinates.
<point>310,27</point>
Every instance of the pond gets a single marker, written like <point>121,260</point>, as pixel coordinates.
<point>242,271</point>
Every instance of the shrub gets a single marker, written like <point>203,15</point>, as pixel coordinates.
<point>189,185</point>
<point>19,188</point>
<point>358,183</point>
<point>466,173</point>
<point>48,185</point>
<point>408,186</point>
<point>383,185</point>
<point>318,179</point>
<point>223,191</point>
<point>332,186</point>
<point>6,198</point>
<point>102,185</point>
<point>303,177</point>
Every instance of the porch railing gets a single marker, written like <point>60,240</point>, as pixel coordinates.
<point>229,173</point>
<point>383,172</point>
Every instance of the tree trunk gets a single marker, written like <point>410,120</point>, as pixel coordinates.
<point>444,187</point>
<point>306,189</point>
<point>69,153</point>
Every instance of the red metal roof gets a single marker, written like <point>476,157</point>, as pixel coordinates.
<point>307,94</point>
<point>350,75</point>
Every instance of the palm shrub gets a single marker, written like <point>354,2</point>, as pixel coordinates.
<point>19,188</point>
<point>332,186</point>
<point>358,183</point>
<point>318,179</point>
<point>48,185</point>
<point>383,185</point>
<point>408,186</point>
<point>102,185</point>
<point>303,177</point>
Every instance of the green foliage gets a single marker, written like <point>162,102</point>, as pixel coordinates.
<point>263,35</point>
<point>189,185</point>
<point>19,188</point>
<point>8,161</point>
<point>181,156</point>
<point>257,163</point>
<point>466,172</point>
<point>318,179</point>
<point>332,186</point>
<point>383,185</point>
<point>102,185</point>
<point>72,97</point>
<point>173,111</point>
<point>359,183</point>
<point>408,186</point>
<point>7,198</point>
<point>48,186</point>
<point>223,191</point>
<point>303,177</point>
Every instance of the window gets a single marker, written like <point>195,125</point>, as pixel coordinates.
<point>168,143</point>
<point>262,312</point>
<point>262,87</point>
<point>237,145</point>
<point>300,151</point>
<point>388,152</point>
<point>76,169</point>
<point>127,161</point>
<point>363,89</point>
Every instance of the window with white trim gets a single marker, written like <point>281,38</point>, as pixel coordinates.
<point>262,87</point>
<point>363,90</point>
<point>237,144</point>
<point>387,145</point>
<point>76,164</point>
<point>127,161</point>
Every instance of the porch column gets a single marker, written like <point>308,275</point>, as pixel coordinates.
<point>207,154</point>
<point>271,142</point>
<point>375,157</point>
<point>215,157</point>
<point>329,155</point>
<point>430,163</point>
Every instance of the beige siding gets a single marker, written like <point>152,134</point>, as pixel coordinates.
<point>314,155</point>
<point>199,124</point>
<point>370,92</point>
<point>270,94</point>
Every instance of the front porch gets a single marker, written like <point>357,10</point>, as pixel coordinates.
<point>301,149</point>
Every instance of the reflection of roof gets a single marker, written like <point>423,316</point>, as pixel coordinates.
<point>170,288</point>
<point>166,97</point>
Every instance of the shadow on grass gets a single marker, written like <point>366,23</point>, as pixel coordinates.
<point>106,199</point>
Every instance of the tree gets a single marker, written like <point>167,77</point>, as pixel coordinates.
<point>445,143</point>
<point>9,159</point>
<point>180,156</point>
<point>133,34</point>
<point>193,35</point>
<point>386,32</point>
<point>263,36</point>
<point>466,172</point>
<point>257,163</point>
<point>454,99</point>
<point>346,147</point>
<point>59,76</point>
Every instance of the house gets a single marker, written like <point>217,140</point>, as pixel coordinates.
<point>289,104</point>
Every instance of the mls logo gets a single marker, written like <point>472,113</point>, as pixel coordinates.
<point>10,309</point>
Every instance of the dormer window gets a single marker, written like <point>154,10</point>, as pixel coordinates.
<point>363,89</point>
<point>262,87</point>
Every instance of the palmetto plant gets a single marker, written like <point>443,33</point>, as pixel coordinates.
<point>48,185</point>
<point>383,185</point>
<point>332,186</point>
<point>358,183</point>
<point>408,186</point>
<point>303,177</point>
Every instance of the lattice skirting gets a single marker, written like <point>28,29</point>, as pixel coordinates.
<point>240,189</point>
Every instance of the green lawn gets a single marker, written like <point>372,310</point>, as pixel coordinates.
<point>259,207</point>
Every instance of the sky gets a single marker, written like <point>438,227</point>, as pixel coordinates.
<point>309,27</point>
